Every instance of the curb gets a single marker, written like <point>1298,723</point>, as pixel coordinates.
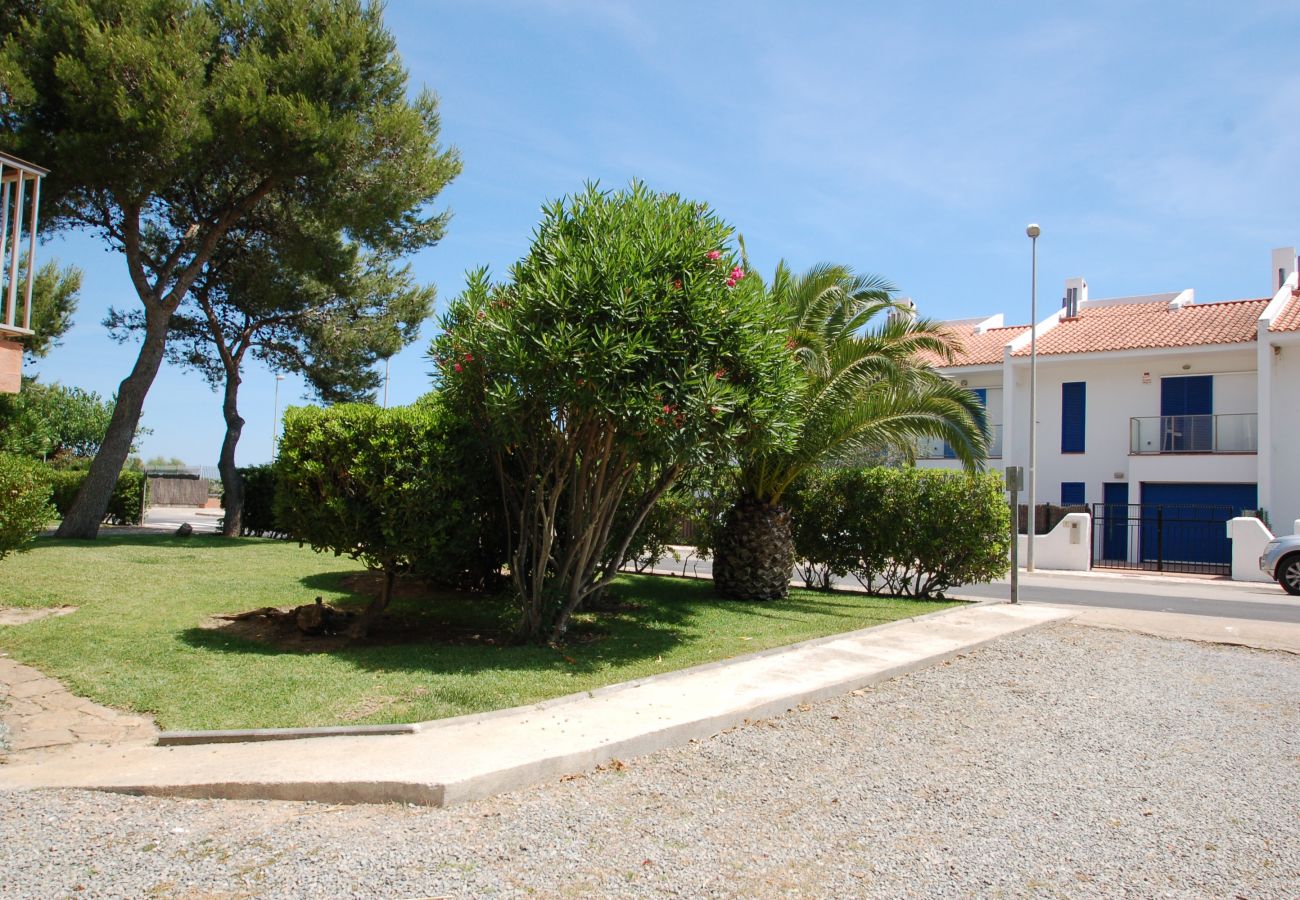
<point>251,735</point>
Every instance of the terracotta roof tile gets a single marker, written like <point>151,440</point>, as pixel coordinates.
<point>1289,318</point>
<point>978,349</point>
<point>1141,326</point>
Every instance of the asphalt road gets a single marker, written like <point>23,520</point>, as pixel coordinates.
<point>169,518</point>
<point>1146,593</point>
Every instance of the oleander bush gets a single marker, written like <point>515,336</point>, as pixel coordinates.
<point>901,531</point>
<point>24,502</point>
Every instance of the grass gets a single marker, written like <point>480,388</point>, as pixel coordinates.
<point>137,641</point>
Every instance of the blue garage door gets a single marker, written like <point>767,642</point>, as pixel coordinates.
<point>1183,525</point>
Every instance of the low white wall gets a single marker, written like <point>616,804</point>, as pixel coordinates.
<point>1248,536</point>
<point>1067,547</point>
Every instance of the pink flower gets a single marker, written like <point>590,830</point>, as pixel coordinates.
<point>738,273</point>
<point>715,254</point>
<point>731,282</point>
<point>677,284</point>
<point>469,357</point>
<point>667,409</point>
<point>458,368</point>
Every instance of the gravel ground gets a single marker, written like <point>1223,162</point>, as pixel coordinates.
<point>1066,762</point>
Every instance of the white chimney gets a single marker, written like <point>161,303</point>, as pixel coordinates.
<point>906,311</point>
<point>1283,268</point>
<point>1076,294</point>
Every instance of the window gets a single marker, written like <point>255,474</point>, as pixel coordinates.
<point>1073,413</point>
<point>1072,493</point>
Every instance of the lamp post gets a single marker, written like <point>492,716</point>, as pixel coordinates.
<point>1033,231</point>
<point>386,361</point>
<point>275,418</point>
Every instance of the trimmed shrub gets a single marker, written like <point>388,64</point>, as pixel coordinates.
<point>401,490</point>
<point>258,518</point>
<point>907,532</point>
<point>125,507</point>
<point>24,502</point>
<point>820,508</point>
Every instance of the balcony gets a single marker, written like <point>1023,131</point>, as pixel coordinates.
<point>936,449</point>
<point>1229,433</point>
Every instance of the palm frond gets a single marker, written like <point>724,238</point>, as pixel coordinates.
<point>868,384</point>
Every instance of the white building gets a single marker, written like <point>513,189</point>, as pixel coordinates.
<point>1150,408</point>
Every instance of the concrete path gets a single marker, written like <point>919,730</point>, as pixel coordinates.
<point>39,713</point>
<point>472,757</point>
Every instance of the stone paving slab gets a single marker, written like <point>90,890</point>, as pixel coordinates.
<point>471,757</point>
<point>39,714</point>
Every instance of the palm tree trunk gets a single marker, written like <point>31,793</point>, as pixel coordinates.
<point>754,558</point>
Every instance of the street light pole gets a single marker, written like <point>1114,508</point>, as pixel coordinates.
<point>386,361</point>
<point>275,419</point>
<point>1033,231</point>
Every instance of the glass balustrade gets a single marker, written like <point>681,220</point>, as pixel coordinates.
<point>1226,433</point>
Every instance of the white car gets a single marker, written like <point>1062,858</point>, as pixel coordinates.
<point>1281,562</point>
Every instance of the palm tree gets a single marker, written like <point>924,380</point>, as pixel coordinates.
<point>866,386</point>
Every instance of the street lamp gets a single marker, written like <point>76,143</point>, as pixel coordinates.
<point>1033,231</point>
<point>275,418</point>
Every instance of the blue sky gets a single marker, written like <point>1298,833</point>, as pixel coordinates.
<point>1156,144</point>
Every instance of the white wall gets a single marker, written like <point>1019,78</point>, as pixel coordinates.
<point>1067,547</point>
<point>1284,504</point>
<point>1248,539</point>
<point>1119,388</point>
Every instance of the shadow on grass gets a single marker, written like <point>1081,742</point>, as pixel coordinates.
<point>437,633</point>
<point>447,633</point>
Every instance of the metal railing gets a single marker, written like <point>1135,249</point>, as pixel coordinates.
<point>933,448</point>
<point>1227,433</point>
<point>1169,537</point>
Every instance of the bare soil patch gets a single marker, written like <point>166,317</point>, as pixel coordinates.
<point>21,616</point>
<point>277,627</point>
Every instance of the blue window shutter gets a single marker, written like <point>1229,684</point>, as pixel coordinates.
<point>983,395</point>
<point>1187,395</point>
<point>1073,415</point>
<point>1072,493</point>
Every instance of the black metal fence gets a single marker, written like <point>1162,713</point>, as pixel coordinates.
<point>1162,537</point>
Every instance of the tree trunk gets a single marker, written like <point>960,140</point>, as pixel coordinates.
<point>231,482</point>
<point>754,559</point>
<point>88,509</point>
<point>367,618</point>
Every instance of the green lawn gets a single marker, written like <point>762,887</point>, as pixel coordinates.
<point>136,641</point>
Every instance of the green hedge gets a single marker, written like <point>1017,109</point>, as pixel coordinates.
<point>401,489</point>
<point>125,507</point>
<point>258,518</point>
<point>24,502</point>
<point>903,531</point>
